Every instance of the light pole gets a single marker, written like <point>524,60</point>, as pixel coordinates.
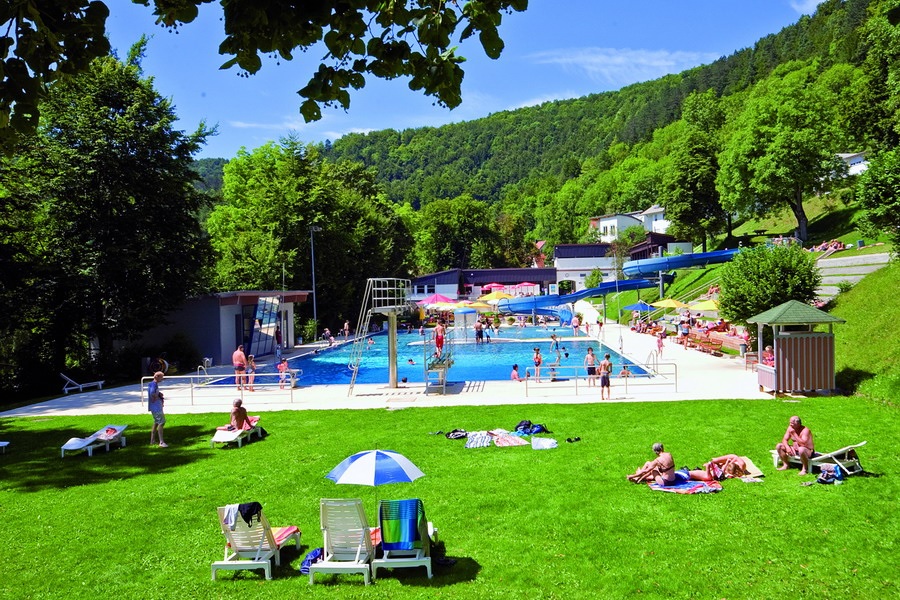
<point>312,255</point>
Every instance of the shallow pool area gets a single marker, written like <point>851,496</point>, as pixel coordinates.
<point>471,362</point>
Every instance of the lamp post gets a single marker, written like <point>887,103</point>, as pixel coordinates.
<point>312,255</point>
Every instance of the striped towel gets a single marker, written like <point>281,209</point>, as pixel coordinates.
<point>402,523</point>
<point>478,439</point>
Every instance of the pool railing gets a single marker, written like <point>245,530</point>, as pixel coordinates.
<point>575,377</point>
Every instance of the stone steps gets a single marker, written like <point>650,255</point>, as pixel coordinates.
<point>851,269</point>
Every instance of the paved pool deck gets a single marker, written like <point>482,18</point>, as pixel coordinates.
<point>687,375</point>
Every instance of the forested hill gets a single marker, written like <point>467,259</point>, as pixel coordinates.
<point>480,157</point>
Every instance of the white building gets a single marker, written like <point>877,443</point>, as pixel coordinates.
<point>856,162</point>
<point>574,262</point>
<point>609,227</point>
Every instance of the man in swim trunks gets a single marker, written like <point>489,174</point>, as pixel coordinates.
<point>661,470</point>
<point>239,361</point>
<point>439,332</point>
<point>605,370</point>
<point>590,363</point>
<point>802,446</point>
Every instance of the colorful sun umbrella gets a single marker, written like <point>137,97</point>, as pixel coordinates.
<point>493,286</point>
<point>669,303</point>
<point>705,305</point>
<point>495,297</point>
<point>432,299</point>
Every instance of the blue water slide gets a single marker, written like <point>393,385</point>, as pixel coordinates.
<point>652,266</point>
<point>552,304</point>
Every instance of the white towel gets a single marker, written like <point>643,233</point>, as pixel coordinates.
<point>231,514</point>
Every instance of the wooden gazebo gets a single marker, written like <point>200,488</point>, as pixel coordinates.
<point>804,358</point>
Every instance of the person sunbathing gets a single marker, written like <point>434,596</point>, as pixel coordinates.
<point>239,418</point>
<point>728,466</point>
<point>661,469</point>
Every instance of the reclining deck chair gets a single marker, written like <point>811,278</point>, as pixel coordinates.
<point>347,539</point>
<point>101,437</point>
<point>251,546</point>
<point>846,457</point>
<point>71,384</point>
<point>406,536</point>
<point>225,436</point>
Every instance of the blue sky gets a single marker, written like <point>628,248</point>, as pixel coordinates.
<point>556,49</point>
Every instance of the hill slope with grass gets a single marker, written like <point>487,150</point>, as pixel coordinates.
<point>867,345</point>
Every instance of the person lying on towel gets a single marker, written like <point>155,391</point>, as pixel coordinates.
<point>660,470</point>
<point>717,469</point>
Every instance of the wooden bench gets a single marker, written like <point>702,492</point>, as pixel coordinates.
<point>711,346</point>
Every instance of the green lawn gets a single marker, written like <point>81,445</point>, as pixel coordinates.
<point>140,522</point>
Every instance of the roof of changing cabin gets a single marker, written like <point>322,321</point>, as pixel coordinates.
<point>228,298</point>
<point>581,250</point>
<point>483,276</point>
<point>794,312</point>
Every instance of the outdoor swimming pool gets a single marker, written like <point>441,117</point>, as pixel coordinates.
<point>471,362</point>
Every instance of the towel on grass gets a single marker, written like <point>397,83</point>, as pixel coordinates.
<point>752,470</point>
<point>689,487</point>
<point>402,524</point>
<point>478,439</point>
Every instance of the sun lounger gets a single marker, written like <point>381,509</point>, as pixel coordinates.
<point>223,436</point>
<point>102,437</point>
<point>406,536</point>
<point>846,457</point>
<point>71,384</point>
<point>347,539</point>
<point>251,545</point>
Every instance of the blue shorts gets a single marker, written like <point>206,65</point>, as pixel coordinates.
<point>159,418</point>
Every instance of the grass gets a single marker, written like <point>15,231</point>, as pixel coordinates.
<point>866,346</point>
<point>139,522</point>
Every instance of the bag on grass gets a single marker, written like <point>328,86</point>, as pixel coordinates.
<point>313,556</point>
<point>830,474</point>
<point>456,434</point>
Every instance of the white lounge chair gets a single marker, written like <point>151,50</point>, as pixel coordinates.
<point>251,546</point>
<point>71,384</point>
<point>347,539</point>
<point>102,437</point>
<point>406,536</point>
<point>846,457</point>
<point>223,436</point>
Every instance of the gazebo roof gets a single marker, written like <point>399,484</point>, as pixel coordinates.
<point>794,312</point>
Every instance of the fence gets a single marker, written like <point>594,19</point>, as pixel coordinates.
<point>209,384</point>
<point>566,378</point>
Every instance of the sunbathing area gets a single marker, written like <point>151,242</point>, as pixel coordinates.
<point>274,486</point>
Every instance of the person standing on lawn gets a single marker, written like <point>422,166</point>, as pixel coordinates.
<point>155,406</point>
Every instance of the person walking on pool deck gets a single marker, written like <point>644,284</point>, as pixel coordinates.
<point>155,406</point>
<point>239,361</point>
<point>802,446</point>
<point>251,372</point>
<point>605,369</point>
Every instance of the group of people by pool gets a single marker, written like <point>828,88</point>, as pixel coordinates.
<point>797,443</point>
<point>596,370</point>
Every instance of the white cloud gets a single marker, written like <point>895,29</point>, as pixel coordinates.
<point>616,67</point>
<point>805,7</point>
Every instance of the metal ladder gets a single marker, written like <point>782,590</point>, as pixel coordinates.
<point>382,295</point>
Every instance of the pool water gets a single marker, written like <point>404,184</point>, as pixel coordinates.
<point>471,362</point>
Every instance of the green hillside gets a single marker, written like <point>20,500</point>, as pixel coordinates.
<point>868,346</point>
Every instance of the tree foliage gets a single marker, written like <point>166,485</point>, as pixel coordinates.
<point>107,225</point>
<point>785,142</point>
<point>410,39</point>
<point>763,277</point>
<point>877,192</point>
<point>261,233</point>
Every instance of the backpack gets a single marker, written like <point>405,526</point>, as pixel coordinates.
<point>456,434</point>
<point>523,426</point>
<point>830,474</point>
